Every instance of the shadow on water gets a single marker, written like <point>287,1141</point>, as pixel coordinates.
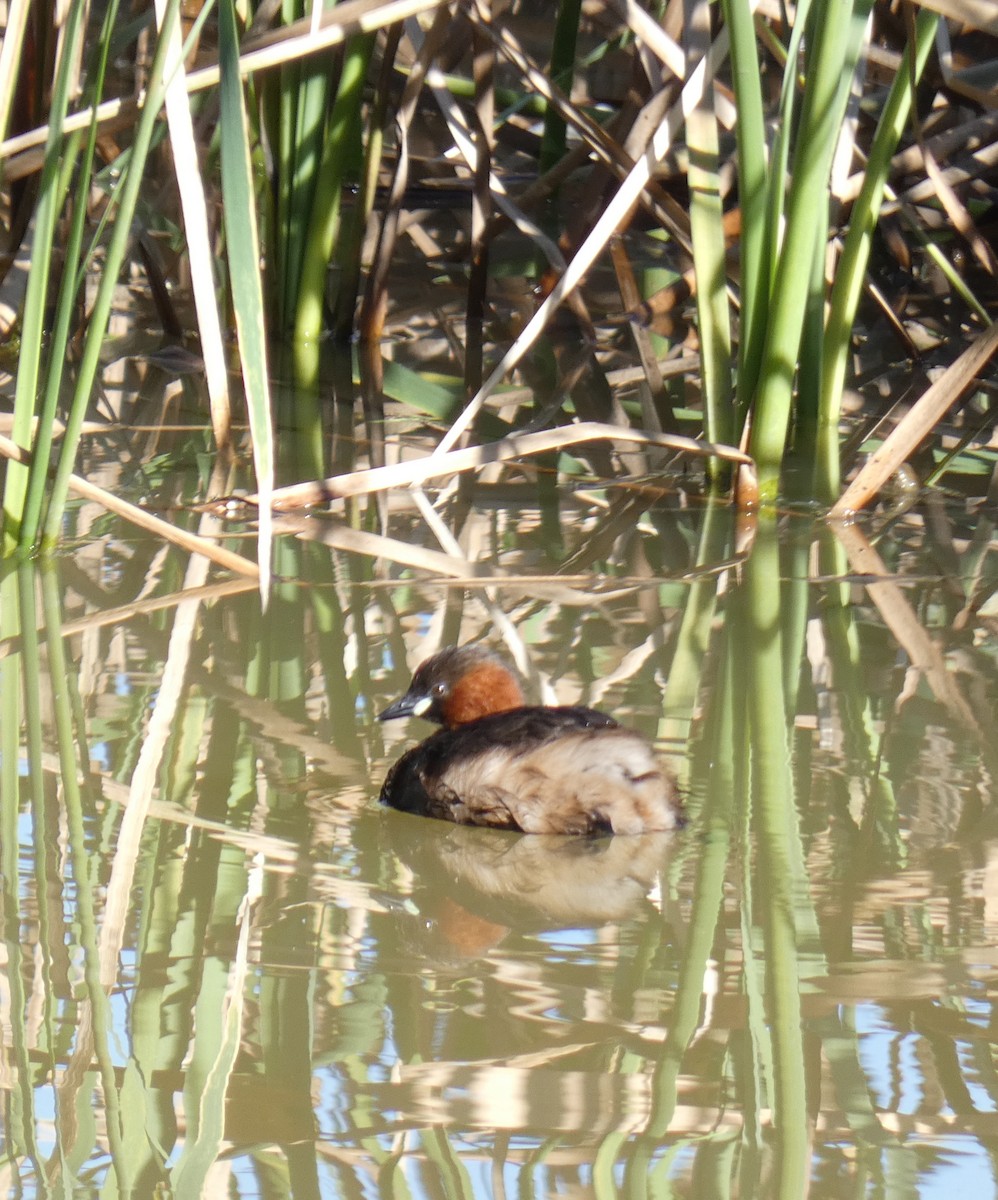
<point>227,971</point>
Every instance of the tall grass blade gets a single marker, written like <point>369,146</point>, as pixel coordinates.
<point>566,32</point>
<point>11,50</point>
<point>707,232</point>
<point>74,266</point>
<point>812,340</point>
<point>780,157</point>
<point>243,242</point>
<point>750,133</point>
<point>851,268</point>
<point>483,52</point>
<point>939,260</point>
<point>195,210</point>
<point>127,193</point>
<point>823,107</point>
<point>375,304</point>
<point>303,106</point>
<point>340,147</point>
<point>805,415</point>
<point>350,248</point>
<point>47,898</point>
<point>700,940</point>
<point>43,237</point>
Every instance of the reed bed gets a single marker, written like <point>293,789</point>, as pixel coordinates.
<point>757,156</point>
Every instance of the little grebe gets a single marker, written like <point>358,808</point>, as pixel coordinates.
<point>502,763</point>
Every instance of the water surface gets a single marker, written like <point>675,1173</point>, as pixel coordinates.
<point>227,971</point>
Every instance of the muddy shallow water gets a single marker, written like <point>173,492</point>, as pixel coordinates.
<point>227,970</point>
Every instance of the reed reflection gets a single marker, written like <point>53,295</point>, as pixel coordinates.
<point>261,977</point>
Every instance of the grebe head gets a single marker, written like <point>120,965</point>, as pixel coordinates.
<point>460,684</point>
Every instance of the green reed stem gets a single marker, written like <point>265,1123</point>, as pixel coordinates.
<point>339,150</point>
<point>10,730</point>
<point>809,369</point>
<point>791,89</point>
<point>129,186</point>
<point>750,134</point>
<point>243,246</point>
<point>841,1049</point>
<point>795,593</point>
<point>712,778</point>
<point>210,1050</point>
<point>825,96</point>
<point>851,269</point>
<point>167,933</point>
<point>69,288</point>
<point>279,97</point>
<point>566,33</point>
<point>350,248</point>
<point>302,162</point>
<point>946,268</point>
<point>707,231</point>
<point>33,327</point>
<point>754,1058</point>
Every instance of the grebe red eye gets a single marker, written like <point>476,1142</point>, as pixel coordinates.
<point>439,689</point>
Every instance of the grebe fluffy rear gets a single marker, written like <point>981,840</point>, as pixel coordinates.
<point>502,763</point>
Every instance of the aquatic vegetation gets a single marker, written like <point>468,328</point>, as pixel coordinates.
<point>491,282</point>
<point>750,160</point>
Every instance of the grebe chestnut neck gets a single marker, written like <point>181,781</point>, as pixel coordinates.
<point>500,762</point>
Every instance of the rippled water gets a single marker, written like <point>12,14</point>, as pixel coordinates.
<point>227,971</point>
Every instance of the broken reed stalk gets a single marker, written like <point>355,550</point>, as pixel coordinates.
<point>221,557</point>
<point>901,618</point>
<point>290,43</point>
<point>926,413</point>
<point>407,474</point>
<point>615,212</point>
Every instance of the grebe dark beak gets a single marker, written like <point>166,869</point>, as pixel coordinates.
<point>410,705</point>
